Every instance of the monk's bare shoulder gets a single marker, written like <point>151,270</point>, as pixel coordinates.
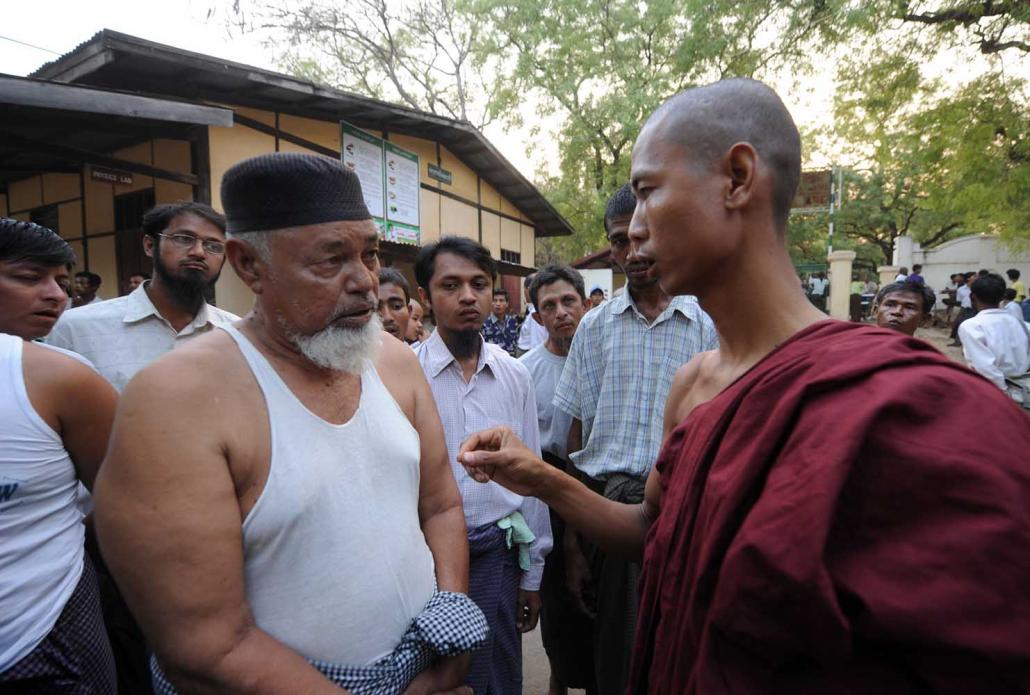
<point>682,393</point>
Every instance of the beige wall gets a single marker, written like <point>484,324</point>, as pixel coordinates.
<point>227,147</point>
<point>71,194</point>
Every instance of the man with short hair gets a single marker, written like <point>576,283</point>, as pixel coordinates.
<point>567,632</point>
<point>1018,285</point>
<point>394,295</point>
<point>596,296</point>
<point>1009,303</point>
<point>531,333</point>
<point>186,242</point>
<point>55,418</point>
<point>829,494</point>
<point>916,275</point>
<point>137,279</point>
<point>995,343</point>
<point>614,385</point>
<point>902,306</point>
<point>416,328</point>
<point>476,384</point>
<point>902,274</point>
<point>500,328</point>
<point>85,288</point>
<point>964,297</point>
<point>298,529</point>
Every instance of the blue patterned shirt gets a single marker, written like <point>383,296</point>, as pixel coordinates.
<point>504,332</point>
<point>617,378</point>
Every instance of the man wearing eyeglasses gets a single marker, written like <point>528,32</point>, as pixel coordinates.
<point>186,242</point>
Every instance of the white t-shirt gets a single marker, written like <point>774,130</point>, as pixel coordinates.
<point>996,345</point>
<point>545,367</point>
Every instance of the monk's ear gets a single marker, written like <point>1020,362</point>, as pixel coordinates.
<point>741,166</point>
<point>247,263</point>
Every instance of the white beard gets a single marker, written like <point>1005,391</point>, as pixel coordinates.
<point>342,349</point>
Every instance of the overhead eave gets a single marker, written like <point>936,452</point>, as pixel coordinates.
<point>20,91</point>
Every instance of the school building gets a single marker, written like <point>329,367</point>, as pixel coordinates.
<point>92,140</point>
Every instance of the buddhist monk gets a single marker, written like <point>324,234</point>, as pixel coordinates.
<point>824,517</point>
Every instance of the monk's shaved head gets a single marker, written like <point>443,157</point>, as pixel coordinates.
<point>707,121</point>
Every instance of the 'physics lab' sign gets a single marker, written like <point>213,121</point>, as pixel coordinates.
<point>389,177</point>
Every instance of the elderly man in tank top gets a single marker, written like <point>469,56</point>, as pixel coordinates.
<point>55,417</point>
<point>299,528</point>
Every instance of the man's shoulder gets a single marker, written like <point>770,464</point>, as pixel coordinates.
<point>220,316</point>
<point>112,310</point>
<point>192,368</point>
<point>506,363</point>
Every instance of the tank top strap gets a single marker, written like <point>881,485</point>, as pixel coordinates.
<point>262,369</point>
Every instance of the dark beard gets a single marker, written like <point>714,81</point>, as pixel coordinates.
<point>188,290</point>
<point>462,344</point>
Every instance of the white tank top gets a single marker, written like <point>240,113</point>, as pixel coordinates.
<point>336,563</point>
<point>41,531</point>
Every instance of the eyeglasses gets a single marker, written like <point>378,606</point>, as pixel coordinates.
<point>187,241</point>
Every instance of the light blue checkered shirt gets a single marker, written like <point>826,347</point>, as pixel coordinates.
<point>499,393</point>
<point>617,378</point>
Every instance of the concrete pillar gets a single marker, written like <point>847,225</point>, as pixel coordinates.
<point>904,246</point>
<point>888,273</point>
<point>840,282</point>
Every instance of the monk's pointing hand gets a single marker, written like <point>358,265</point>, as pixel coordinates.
<point>497,454</point>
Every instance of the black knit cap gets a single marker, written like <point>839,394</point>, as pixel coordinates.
<point>289,189</point>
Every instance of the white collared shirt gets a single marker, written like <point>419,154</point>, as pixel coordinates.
<point>121,336</point>
<point>499,393</point>
<point>996,344</point>
<point>532,333</point>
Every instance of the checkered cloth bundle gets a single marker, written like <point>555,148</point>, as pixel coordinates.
<point>449,625</point>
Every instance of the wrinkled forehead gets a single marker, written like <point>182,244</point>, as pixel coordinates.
<point>903,296</point>
<point>350,236</point>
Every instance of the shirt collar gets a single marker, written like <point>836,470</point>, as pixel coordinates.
<point>439,356</point>
<point>139,307</point>
<point>684,304</point>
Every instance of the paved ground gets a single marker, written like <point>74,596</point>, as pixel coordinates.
<point>535,670</point>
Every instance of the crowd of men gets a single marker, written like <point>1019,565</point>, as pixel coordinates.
<point>693,494</point>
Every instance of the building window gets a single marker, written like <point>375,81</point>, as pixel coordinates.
<point>45,217</point>
<point>511,256</point>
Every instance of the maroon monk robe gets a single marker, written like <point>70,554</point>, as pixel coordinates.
<point>850,516</point>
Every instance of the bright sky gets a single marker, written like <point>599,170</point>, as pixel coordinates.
<point>55,27</point>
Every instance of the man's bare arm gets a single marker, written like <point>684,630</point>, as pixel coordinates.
<point>439,502</point>
<point>169,525</point>
<point>618,528</point>
<point>75,401</point>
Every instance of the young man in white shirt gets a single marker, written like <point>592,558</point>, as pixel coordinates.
<point>964,297</point>
<point>476,384</point>
<point>995,343</point>
<point>566,625</point>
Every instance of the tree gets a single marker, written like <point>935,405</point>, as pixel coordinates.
<point>417,53</point>
<point>992,26</point>
<point>600,67</point>
<point>934,163</point>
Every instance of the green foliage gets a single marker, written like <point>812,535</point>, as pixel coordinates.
<point>602,66</point>
<point>936,163</point>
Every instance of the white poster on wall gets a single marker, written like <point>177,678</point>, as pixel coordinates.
<point>402,195</point>
<point>363,153</point>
